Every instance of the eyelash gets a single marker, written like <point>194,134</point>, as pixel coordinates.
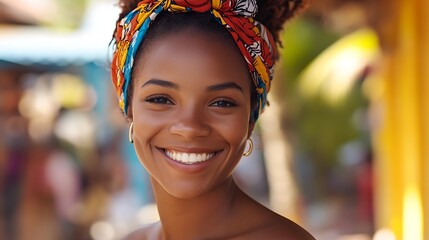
<point>225,101</point>
<point>163,99</point>
<point>159,99</point>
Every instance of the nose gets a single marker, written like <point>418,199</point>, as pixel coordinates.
<point>190,124</point>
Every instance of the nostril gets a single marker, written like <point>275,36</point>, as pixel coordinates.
<point>190,129</point>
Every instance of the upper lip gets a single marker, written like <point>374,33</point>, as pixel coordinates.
<point>190,149</point>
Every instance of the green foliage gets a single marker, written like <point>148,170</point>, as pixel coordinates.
<point>317,128</point>
<point>321,129</point>
<point>303,41</point>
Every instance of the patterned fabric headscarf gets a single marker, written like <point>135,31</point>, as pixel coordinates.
<point>237,16</point>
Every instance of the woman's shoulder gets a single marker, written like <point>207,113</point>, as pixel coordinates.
<point>264,223</point>
<point>287,229</point>
<point>146,232</point>
<point>281,228</point>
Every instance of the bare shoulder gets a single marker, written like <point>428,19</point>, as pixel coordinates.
<point>270,225</point>
<point>146,232</point>
<point>286,229</point>
<point>278,228</point>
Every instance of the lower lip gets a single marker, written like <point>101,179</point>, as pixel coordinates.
<point>187,168</point>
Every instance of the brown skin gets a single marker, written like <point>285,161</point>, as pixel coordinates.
<point>187,113</point>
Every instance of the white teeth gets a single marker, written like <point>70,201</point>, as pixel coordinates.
<point>193,157</point>
<point>189,158</point>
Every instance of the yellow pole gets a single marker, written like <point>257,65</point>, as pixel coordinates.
<point>400,96</point>
<point>423,23</point>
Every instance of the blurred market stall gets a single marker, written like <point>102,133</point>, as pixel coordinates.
<point>64,164</point>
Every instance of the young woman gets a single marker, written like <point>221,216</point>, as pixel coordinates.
<point>192,78</point>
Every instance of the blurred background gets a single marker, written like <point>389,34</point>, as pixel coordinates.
<point>343,148</point>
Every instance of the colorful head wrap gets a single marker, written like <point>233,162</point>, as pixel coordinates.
<point>237,16</point>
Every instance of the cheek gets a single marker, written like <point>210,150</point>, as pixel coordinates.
<point>235,134</point>
<point>148,123</point>
<point>146,127</point>
<point>234,130</point>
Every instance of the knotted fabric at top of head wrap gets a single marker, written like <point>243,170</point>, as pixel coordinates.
<point>252,38</point>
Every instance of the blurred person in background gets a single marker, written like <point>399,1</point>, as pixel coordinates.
<point>192,79</point>
<point>13,142</point>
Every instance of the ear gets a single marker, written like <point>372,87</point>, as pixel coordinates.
<point>129,115</point>
<point>250,130</point>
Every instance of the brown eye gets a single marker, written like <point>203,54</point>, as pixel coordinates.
<point>159,99</point>
<point>224,103</point>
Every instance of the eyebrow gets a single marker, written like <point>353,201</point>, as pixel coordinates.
<point>216,87</point>
<point>224,86</point>
<point>162,83</point>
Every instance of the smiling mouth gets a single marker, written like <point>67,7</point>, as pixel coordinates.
<point>189,158</point>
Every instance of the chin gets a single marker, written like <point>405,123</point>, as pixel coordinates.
<point>182,189</point>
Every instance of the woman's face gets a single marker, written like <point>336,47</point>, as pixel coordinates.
<point>191,108</point>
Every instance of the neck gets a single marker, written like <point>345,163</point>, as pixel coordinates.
<point>198,217</point>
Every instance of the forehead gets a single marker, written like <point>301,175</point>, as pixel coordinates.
<point>191,55</point>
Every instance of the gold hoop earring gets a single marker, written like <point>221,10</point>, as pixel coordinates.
<point>249,151</point>
<point>130,133</point>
